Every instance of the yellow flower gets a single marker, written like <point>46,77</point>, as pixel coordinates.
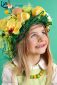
<point>6,11</point>
<point>17,27</point>
<point>23,16</point>
<point>13,26</point>
<point>37,11</point>
<point>11,23</point>
<point>3,23</point>
<point>19,17</point>
<point>27,8</point>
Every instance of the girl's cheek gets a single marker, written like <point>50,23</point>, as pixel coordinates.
<point>32,43</point>
<point>47,41</point>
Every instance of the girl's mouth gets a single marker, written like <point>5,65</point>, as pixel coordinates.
<point>40,46</point>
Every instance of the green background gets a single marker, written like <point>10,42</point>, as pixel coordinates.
<point>51,7</point>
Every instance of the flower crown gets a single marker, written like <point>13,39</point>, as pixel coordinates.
<point>20,20</point>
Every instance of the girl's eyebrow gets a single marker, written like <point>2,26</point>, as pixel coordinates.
<point>36,32</point>
<point>43,30</point>
<point>33,32</point>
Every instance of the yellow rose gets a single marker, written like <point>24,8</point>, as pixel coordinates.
<point>37,11</point>
<point>19,17</point>
<point>10,24</point>
<point>17,27</point>
<point>25,15</point>
<point>3,23</point>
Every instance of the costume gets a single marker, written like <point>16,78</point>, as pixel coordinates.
<point>14,28</point>
<point>11,79</point>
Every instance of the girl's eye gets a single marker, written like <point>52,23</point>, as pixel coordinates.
<point>33,35</point>
<point>44,32</point>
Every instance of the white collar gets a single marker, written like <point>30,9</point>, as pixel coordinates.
<point>41,63</point>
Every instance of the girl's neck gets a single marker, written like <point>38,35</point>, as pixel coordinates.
<point>33,59</point>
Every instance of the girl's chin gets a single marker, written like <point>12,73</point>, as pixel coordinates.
<point>41,51</point>
<point>38,52</point>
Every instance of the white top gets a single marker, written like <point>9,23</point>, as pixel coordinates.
<point>7,75</point>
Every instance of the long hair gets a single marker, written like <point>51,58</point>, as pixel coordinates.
<point>22,62</point>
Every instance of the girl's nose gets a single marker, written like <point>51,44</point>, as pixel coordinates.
<point>39,39</point>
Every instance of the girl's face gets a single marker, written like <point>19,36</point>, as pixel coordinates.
<point>37,39</point>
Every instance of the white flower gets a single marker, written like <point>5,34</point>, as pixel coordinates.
<point>49,18</point>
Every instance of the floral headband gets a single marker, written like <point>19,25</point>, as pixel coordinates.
<point>20,20</point>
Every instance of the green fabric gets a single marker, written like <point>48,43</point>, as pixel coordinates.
<point>39,81</point>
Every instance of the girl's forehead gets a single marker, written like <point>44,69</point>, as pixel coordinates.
<point>38,27</point>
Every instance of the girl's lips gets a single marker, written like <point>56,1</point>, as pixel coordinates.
<point>40,46</point>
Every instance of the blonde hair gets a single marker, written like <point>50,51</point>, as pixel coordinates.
<point>22,62</point>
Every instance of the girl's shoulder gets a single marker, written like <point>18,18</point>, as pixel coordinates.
<point>54,69</point>
<point>11,64</point>
<point>10,67</point>
<point>54,66</point>
<point>8,74</point>
<point>54,76</point>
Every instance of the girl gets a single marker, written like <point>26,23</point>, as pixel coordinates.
<point>32,64</point>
